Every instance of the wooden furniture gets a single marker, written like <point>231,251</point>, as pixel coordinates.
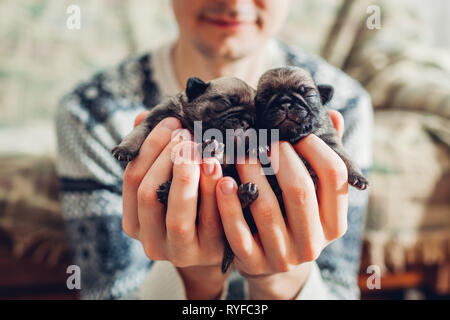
<point>24,279</point>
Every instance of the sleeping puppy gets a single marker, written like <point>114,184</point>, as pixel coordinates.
<point>225,103</point>
<point>288,99</point>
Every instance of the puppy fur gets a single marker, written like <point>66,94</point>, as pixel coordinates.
<point>225,103</point>
<point>288,99</point>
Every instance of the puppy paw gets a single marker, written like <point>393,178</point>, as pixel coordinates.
<point>358,181</point>
<point>163,192</point>
<point>122,153</point>
<point>247,193</point>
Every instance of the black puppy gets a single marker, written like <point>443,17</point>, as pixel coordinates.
<point>225,103</point>
<point>288,99</point>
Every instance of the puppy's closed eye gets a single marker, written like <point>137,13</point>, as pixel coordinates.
<point>229,100</point>
<point>312,97</point>
<point>311,93</point>
<point>234,99</point>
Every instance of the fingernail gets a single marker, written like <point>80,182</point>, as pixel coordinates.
<point>170,123</point>
<point>176,132</point>
<point>181,135</point>
<point>189,154</point>
<point>208,168</point>
<point>227,186</point>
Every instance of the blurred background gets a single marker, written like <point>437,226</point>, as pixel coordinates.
<point>405,66</point>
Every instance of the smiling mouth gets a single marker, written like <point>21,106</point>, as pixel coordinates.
<point>226,23</point>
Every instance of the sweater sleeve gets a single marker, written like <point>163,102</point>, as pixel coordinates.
<point>163,282</point>
<point>339,262</point>
<point>315,288</point>
<point>111,263</point>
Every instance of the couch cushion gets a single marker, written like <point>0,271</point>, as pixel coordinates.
<point>408,221</point>
<point>30,212</point>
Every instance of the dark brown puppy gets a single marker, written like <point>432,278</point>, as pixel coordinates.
<point>225,103</point>
<point>288,99</point>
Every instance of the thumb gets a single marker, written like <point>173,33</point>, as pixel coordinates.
<point>338,121</point>
<point>141,116</point>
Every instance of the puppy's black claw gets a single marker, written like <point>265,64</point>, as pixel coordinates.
<point>163,192</point>
<point>121,153</point>
<point>228,257</point>
<point>213,148</point>
<point>247,193</point>
<point>358,181</point>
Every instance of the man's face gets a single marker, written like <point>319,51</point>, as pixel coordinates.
<point>229,29</point>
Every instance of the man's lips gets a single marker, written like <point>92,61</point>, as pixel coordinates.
<point>227,23</point>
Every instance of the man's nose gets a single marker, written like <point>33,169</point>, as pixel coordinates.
<point>239,5</point>
<point>236,2</point>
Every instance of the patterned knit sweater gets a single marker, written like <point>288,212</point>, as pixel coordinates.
<point>98,113</point>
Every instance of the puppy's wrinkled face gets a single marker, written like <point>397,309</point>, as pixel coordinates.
<point>288,99</point>
<point>224,103</point>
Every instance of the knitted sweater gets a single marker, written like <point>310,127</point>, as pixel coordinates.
<point>98,113</point>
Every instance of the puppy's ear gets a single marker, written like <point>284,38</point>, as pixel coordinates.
<point>195,87</point>
<point>326,92</point>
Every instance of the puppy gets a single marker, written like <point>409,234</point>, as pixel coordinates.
<point>225,103</point>
<point>288,99</point>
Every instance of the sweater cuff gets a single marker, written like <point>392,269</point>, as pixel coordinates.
<point>314,287</point>
<point>163,282</point>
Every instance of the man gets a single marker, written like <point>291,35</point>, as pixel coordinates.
<point>290,258</point>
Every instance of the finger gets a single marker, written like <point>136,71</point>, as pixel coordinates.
<point>338,121</point>
<point>182,203</point>
<point>136,170</point>
<point>267,215</point>
<point>332,187</point>
<point>209,225</point>
<point>236,228</point>
<point>299,197</point>
<point>140,117</point>
<point>151,212</point>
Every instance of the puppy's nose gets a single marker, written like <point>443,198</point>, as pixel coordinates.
<point>284,99</point>
<point>285,103</point>
<point>286,106</point>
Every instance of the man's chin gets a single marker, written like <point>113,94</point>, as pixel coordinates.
<point>227,48</point>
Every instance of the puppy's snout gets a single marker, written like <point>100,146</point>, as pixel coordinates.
<point>286,106</point>
<point>244,124</point>
<point>285,103</point>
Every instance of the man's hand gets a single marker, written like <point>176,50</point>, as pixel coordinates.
<point>172,233</point>
<point>275,260</point>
